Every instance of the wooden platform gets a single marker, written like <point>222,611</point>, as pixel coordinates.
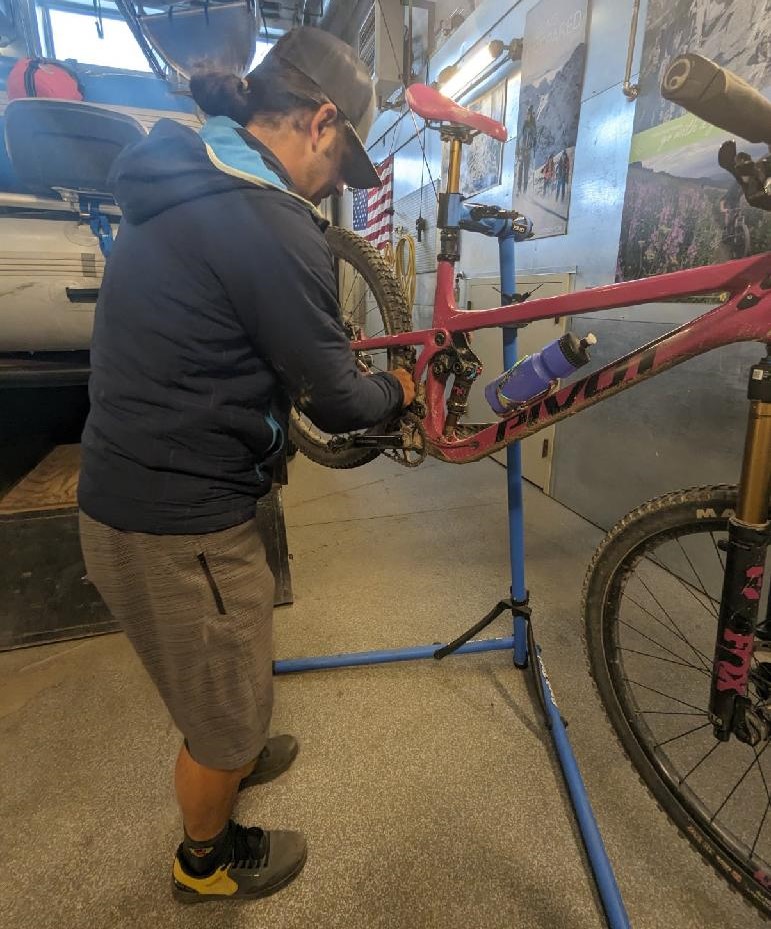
<point>45,595</point>
<point>51,485</point>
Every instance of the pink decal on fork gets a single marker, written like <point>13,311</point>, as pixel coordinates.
<point>754,583</point>
<point>763,878</point>
<point>731,676</point>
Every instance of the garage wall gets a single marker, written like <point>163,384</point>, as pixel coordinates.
<point>684,427</point>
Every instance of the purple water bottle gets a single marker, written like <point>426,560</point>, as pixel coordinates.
<point>536,374</point>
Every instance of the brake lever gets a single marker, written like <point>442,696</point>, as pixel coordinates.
<point>754,177</point>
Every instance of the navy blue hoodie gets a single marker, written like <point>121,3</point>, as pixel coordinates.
<point>217,310</point>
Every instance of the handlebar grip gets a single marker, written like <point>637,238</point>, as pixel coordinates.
<point>718,96</point>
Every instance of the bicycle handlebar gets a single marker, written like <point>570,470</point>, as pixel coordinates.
<point>718,96</point>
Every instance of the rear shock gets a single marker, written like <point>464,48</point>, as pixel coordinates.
<point>466,368</point>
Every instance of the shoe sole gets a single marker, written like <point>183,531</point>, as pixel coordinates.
<point>253,780</point>
<point>190,896</point>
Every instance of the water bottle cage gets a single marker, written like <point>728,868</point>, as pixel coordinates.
<point>512,406</point>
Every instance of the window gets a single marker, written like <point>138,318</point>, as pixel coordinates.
<point>74,36</point>
<point>260,52</point>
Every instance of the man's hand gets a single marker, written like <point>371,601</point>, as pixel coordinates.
<point>408,385</point>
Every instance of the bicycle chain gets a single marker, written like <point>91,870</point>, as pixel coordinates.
<point>414,438</point>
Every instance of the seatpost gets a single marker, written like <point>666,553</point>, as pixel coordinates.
<point>453,173</point>
<point>730,710</point>
<point>448,217</point>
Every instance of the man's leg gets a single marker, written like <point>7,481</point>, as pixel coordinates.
<point>205,795</point>
<point>198,612</point>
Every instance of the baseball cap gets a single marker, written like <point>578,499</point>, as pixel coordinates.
<point>340,75</point>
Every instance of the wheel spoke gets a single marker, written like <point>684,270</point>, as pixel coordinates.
<point>717,552</point>
<point>760,827</point>
<point>661,694</point>
<point>698,580</point>
<point>701,760</point>
<point>357,315</point>
<point>674,738</point>
<point>678,635</point>
<point>669,651</point>
<point>688,586</point>
<point>675,626</point>
<point>354,278</point>
<point>768,803</point>
<point>755,761</point>
<point>680,664</point>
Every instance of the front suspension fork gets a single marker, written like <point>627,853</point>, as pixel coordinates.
<point>730,710</point>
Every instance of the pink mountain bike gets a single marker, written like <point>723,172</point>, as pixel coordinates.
<point>677,622</point>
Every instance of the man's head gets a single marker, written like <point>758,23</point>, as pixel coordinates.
<point>310,101</point>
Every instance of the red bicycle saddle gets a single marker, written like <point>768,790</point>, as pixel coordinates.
<point>430,104</point>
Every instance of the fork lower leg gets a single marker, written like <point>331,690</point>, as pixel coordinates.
<point>748,537</point>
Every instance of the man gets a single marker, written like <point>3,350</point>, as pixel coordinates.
<point>529,135</point>
<point>218,309</point>
<point>520,164</point>
<point>563,174</point>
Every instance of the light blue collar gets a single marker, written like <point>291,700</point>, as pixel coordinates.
<point>228,152</point>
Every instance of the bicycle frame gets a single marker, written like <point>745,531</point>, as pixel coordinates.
<point>744,317</point>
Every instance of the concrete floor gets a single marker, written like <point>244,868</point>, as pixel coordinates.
<point>428,791</point>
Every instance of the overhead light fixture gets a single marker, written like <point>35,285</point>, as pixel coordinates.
<point>458,76</point>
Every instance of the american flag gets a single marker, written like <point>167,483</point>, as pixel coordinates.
<point>373,208</point>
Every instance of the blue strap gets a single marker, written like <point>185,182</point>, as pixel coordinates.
<point>100,226</point>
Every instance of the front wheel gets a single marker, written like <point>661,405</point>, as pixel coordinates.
<point>651,601</point>
<point>371,304</point>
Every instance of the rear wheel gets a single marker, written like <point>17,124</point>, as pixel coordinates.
<point>651,601</point>
<point>371,304</point>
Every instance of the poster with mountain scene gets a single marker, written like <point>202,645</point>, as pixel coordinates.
<point>682,210</point>
<point>553,57</point>
<point>482,160</point>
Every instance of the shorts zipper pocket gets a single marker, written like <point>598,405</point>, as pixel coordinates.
<point>212,584</point>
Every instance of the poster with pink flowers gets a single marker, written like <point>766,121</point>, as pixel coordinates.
<point>682,210</point>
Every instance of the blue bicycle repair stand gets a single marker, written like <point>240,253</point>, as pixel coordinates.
<point>525,651</point>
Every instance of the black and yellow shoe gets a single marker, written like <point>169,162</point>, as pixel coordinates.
<point>258,864</point>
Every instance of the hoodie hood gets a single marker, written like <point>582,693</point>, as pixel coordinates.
<point>175,164</point>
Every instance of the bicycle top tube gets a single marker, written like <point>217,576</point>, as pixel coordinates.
<point>731,276</point>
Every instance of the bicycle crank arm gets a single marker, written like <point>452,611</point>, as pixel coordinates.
<point>367,441</point>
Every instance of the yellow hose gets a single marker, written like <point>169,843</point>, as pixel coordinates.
<point>405,268</point>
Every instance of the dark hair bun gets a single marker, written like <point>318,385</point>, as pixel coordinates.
<point>221,94</point>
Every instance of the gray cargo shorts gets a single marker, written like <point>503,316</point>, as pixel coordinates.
<point>198,610</point>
